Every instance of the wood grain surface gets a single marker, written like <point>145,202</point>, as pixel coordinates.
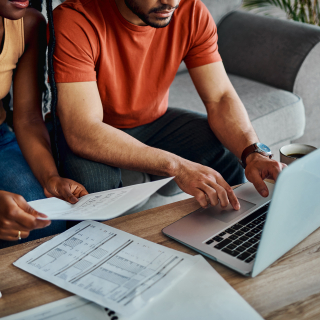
<point>288,289</point>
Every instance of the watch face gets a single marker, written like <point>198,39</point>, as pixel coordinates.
<point>263,147</point>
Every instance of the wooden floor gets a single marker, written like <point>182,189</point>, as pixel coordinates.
<point>289,289</point>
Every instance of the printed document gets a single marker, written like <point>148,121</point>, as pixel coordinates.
<point>108,266</point>
<point>200,294</point>
<point>100,205</point>
<point>72,308</point>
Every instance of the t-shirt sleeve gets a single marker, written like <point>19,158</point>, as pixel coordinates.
<point>204,44</point>
<point>76,47</point>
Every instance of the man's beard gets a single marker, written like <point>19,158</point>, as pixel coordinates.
<point>145,17</point>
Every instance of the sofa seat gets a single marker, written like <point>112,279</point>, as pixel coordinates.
<point>280,111</point>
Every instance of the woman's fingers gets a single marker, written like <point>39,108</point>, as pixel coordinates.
<point>16,216</point>
<point>19,211</point>
<point>65,189</point>
<point>13,234</point>
<point>23,204</point>
<point>12,225</point>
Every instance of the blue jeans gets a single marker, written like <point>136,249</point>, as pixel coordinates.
<point>17,177</point>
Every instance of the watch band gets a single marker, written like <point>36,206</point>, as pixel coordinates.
<point>251,149</point>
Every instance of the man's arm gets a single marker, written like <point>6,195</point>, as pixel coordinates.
<point>81,115</point>
<point>229,121</point>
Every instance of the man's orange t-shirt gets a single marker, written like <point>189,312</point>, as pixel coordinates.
<point>134,66</point>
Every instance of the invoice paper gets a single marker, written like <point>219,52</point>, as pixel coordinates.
<point>200,294</point>
<point>100,205</point>
<point>72,308</point>
<point>108,266</point>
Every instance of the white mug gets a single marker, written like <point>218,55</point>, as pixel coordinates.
<point>292,152</point>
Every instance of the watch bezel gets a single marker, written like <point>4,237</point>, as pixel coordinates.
<point>260,147</point>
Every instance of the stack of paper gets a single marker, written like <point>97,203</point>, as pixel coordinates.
<point>138,279</point>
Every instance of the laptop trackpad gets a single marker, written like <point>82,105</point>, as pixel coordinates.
<point>228,214</point>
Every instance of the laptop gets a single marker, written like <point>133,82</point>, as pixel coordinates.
<point>264,229</point>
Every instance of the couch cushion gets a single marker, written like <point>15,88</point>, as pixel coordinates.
<point>275,114</point>
<point>219,8</point>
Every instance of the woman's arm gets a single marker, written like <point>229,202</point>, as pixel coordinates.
<point>31,132</point>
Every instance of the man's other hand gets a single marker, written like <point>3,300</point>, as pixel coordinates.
<point>16,215</point>
<point>64,189</point>
<point>205,184</point>
<point>259,168</point>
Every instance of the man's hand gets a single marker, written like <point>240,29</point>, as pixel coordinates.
<point>205,184</point>
<point>16,215</point>
<point>64,189</point>
<point>259,168</point>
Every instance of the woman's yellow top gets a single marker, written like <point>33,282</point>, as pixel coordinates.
<point>13,48</point>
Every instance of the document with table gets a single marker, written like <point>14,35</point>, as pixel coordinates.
<point>136,278</point>
<point>103,205</point>
<point>200,294</point>
<point>107,266</point>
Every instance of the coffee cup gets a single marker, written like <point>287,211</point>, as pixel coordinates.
<point>292,152</point>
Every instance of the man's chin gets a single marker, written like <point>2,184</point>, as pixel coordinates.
<point>159,22</point>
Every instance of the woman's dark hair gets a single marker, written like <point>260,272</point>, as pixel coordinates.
<point>36,4</point>
<point>53,87</point>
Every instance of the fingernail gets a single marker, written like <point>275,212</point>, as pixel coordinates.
<point>41,215</point>
<point>237,206</point>
<point>264,193</point>
<point>74,199</point>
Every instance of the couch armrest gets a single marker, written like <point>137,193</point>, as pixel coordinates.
<point>265,49</point>
<point>280,53</point>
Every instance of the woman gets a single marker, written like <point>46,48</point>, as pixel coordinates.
<point>32,175</point>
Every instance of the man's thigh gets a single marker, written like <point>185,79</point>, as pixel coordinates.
<point>94,176</point>
<point>188,135</point>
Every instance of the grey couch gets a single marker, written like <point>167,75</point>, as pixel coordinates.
<point>274,66</point>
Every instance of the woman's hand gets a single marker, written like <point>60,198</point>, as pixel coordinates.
<point>17,218</point>
<point>64,189</point>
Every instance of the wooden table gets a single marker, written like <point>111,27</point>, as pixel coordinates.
<point>289,289</point>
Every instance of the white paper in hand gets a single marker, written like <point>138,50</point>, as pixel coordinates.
<point>100,205</point>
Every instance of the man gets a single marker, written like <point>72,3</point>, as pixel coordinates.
<point>114,63</point>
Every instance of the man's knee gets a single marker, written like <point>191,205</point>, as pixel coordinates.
<point>94,176</point>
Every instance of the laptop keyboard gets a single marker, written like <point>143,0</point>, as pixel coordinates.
<point>242,239</point>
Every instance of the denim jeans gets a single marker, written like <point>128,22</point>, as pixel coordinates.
<point>17,177</point>
<point>182,132</point>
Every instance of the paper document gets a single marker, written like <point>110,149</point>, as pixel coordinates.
<point>100,205</point>
<point>200,294</point>
<point>108,266</point>
<point>72,308</point>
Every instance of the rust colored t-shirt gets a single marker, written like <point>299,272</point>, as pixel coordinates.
<point>134,66</point>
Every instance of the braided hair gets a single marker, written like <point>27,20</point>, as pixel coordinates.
<point>53,86</point>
